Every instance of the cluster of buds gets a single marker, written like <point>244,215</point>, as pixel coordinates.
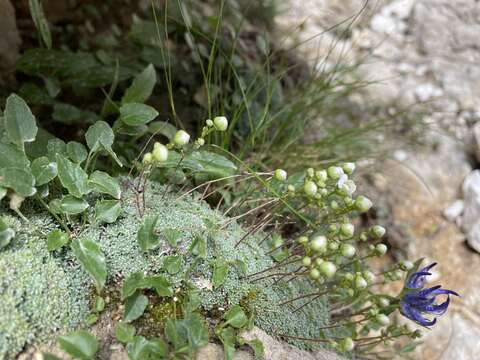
<point>157,156</point>
<point>219,123</point>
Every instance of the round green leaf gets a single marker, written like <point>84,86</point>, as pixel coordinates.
<point>19,180</point>
<point>236,317</point>
<point>72,205</point>
<point>135,305</point>
<point>56,239</point>
<point>76,152</point>
<point>19,121</point>
<point>125,332</point>
<point>99,136</point>
<point>135,114</point>
<point>44,170</point>
<point>105,184</point>
<point>107,211</point>
<point>79,344</point>
<point>72,177</point>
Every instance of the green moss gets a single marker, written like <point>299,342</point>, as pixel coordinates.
<point>45,293</point>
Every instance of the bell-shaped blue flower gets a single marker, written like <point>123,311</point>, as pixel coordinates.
<point>417,301</point>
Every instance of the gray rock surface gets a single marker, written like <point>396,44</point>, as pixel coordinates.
<point>9,37</point>
<point>471,213</point>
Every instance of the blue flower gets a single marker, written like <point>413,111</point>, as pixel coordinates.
<point>417,301</point>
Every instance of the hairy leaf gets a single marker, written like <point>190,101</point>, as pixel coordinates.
<point>19,121</point>
<point>44,170</point>
<point>72,176</point>
<point>90,256</point>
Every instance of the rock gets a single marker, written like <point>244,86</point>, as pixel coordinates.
<point>9,39</point>
<point>276,350</point>
<point>471,215</point>
<point>476,136</point>
<point>454,211</point>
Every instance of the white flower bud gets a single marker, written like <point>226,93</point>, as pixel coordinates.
<point>221,123</point>
<point>310,188</point>
<point>306,261</point>
<point>378,231</point>
<point>334,172</point>
<point>381,249</point>
<point>147,158</point>
<point>347,250</point>
<point>314,274</point>
<point>382,319</point>
<point>310,172</point>
<point>280,175</point>
<point>360,282</point>
<point>181,138</point>
<point>302,240</point>
<point>328,269</point>
<point>333,245</point>
<point>160,152</point>
<point>369,276</point>
<point>318,243</point>
<point>291,188</point>
<point>363,204</point>
<point>321,175</point>
<point>346,345</point>
<point>347,230</point>
<point>201,141</point>
<point>319,261</point>
<point>348,167</point>
<point>383,302</point>
<point>334,205</point>
<point>406,265</point>
<point>209,123</point>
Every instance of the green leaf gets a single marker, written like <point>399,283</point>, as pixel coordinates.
<point>172,264</point>
<point>40,22</point>
<point>6,234</point>
<point>11,156</point>
<point>199,246</point>
<point>135,114</point>
<point>146,236</point>
<point>220,272</point>
<point>161,285</point>
<point>135,305</point>
<point>99,304</point>
<point>164,128</point>
<point>99,137</point>
<point>54,147</point>
<point>141,87</point>
<point>72,177</point>
<point>47,356</point>
<point>227,337</point>
<point>72,205</point>
<point>125,332</point>
<point>19,180</point>
<point>79,344</point>
<point>190,332</point>
<point>19,121</point>
<point>90,256</point>
<point>133,282</point>
<point>56,239</point>
<point>143,349</point>
<point>255,344</point>
<point>44,170</point>
<point>107,211</point>
<point>172,236</point>
<point>3,192</point>
<point>105,184</point>
<point>236,317</point>
<point>76,152</point>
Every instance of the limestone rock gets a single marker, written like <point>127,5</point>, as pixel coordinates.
<point>471,216</point>
<point>9,39</point>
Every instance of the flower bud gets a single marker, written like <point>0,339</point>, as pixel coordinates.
<point>378,231</point>
<point>291,188</point>
<point>310,172</point>
<point>306,261</point>
<point>314,274</point>
<point>209,123</point>
<point>321,175</point>
<point>383,302</point>
<point>381,249</point>
<point>302,240</point>
<point>346,345</point>
<point>318,243</point>
<point>280,175</point>
<point>363,204</point>
<point>319,261</point>
<point>200,141</point>
<point>310,188</point>
<point>147,158</point>
<point>382,319</point>
<point>181,138</point>
<point>347,230</point>
<point>348,167</point>
<point>347,250</point>
<point>397,275</point>
<point>333,245</point>
<point>221,123</point>
<point>360,282</point>
<point>369,276</point>
<point>328,269</point>
<point>334,172</point>
<point>406,265</point>
<point>160,152</point>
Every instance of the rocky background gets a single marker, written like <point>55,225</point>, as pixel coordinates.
<point>417,53</point>
<point>424,54</point>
